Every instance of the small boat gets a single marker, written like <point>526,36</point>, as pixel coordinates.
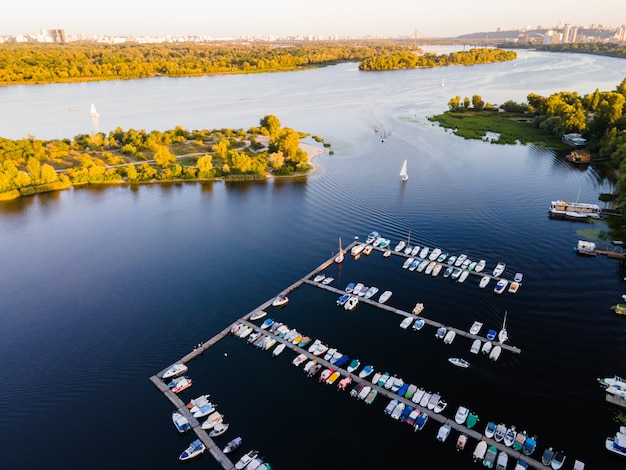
<point>509,436</point>
<point>484,282</point>
<point>343,383</point>
<point>520,438</point>
<point>461,441</point>
<point>304,341</point>
<point>522,465</point>
<point>513,287</point>
<point>436,270</point>
<point>371,292</point>
<point>194,450</point>
<point>327,280</point>
<point>494,355</point>
<point>218,430</point>
<point>479,451</point>
<point>299,359</point>
<point>558,460</point>
<point>93,112</point>
<point>403,389</point>
<point>382,380</point>
<point>390,382</point>
<point>267,323</point>
<point>253,337</point>
<point>499,269</point>
<point>350,287</point>
<point>246,459</point>
<point>400,246</point>
<point>333,378</point>
<point>518,277</point>
<point>490,429</point>
<point>423,265</point>
<point>386,253</point>
<point>181,423</point>
<point>280,300</point>
<point>503,461</point>
<point>371,396</point>
<point>424,252</point>
<point>444,432</point>
<point>357,249</point>
<point>175,371</point>
<point>417,396</point>
<point>434,400</point>
<point>490,457</point>
<point>440,406</point>
<point>309,365</point>
<point>413,417</point>
<point>257,315</point>
<point>459,362</point>
<point>421,421</point>
<point>456,273</point>
<point>476,344</point>
<point>452,260</point>
<point>419,324</point>
<point>407,263</point>
<point>351,303</point>
<point>419,307</point>
<point>414,264</point>
<point>448,271</point>
<point>442,257</point>
<point>530,444</point>
<point>213,419</point>
<point>354,365</point>
<point>408,250</point>
<point>500,286</point>
<point>491,335</point>
<point>325,374</point>
<point>366,371</point>
<point>486,348</point>
<point>434,254</point>
<point>319,278</point>
<point>403,173</point>
<point>339,257</point>
<point>397,411</point>
<point>364,392</point>
<point>475,329</point>
<point>441,332</point>
<point>425,399</point>
<point>203,410</point>
<point>198,401</point>
<point>415,251</point>
<point>314,370</point>
<point>460,260</point>
<point>384,297</point>
<point>578,465</point>
<point>547,456</point>
<point>391,406</point>
<point>182,385</point>
<point>480,266</point>
<point>461,415</point>
<point>232,445</point>
<point>368,250</point>
<point>329,354</point>
<point>410,391</point>
<point>503,335</point>
<point>471,421</point>
<point>278,349</point>
<point>499,433</point>
<point>466,264</point>
<point>450,335</point>
<point>617,443</point>
<point>357,389</point>
<point>472,266</point>
<point>463,276</point>
<point>336,356</point>
<point>342,360</point>
<point>372,237</point>
<point>406,322</point>
<point>430,267</point>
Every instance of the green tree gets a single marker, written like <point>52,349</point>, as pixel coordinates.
<point>455,103</point>
<point>478,103</point>
<point>163,156</point>
<point>271,124</point>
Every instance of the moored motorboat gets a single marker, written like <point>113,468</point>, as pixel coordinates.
<point>522,465</point>
<point>503,335</point>
<point>413,417</point>
<point>461,415</point>
<point>434,254</point>
<point>327,280</point>
<point>486,348</point>
<point>440,406</point>
<point>182,385</point>
<point>201,400</point>
<point>475,329</point>
<point>425,399</point>
<point>617,443</point>
<point>513,287</point>
<point>403,389</point>
<point>503,461</point>
<point>475,348</point>
<point>479,451</point>
<point>384,297</point>
<point>333,378</point>
<point>371,396</point>
<point>181,423</point>
<point>213,419</point>
<point>343,383</point>
<point>490,429</point>
<point>257,315</point>
<point>499,433</point>
<point>459,362</point>
<point>364,392</point>
<point>366,371</point>
<point>407,263</point>
<point>558,460</point>
<point>484,282</point>
<point>325,374</point>
<point>530,444</point>
<point>267,323</point>
<point>419,307</point>
<point>342,299</point>
<point>232,445</point>
<point>421,421</point>
<point>357,389</point>
<point>444,432</point>
<point>448,271</point>
<point>419,324</point>
<point>351,303</point>
<point>450,335</point>
<point>372,236</point>
<point>499,269</point>
<point>500,286</point>
<point>391,406</point>
<point>299,359</point>
<point>280,300</point>
<point>342,360</point>
<point>400,246</point>
<point>471,421</point>
<point>441,332</point>
<point>194,450</point>
<point>350,287</point>
<point>547,456</point>
<point>456,273</point>
<point>406,322</point>
<point>491,335</point>
<point>463,276</point>
<point>460,260</point>
<point>354,365</point>
<point>494,355</point>
<point>219,429</point>
<point>490,457</point>
<point>382,380</point>
<point>520,438</point>
<point>175,371</point>
<point>204,410</point>
<point>417,396</point>
<point>410,391</point>
<point>509,436</point>
<point>480,266</point>
<point>246,459</point>
<point>434,400</point>
<point>278,349</point>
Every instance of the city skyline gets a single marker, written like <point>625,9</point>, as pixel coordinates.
<point>393,18</point>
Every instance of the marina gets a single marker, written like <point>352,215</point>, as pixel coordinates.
<point>348,375</point>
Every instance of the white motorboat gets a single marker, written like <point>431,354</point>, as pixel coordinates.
<point>364,392</point>
<point>246,459</point>
<point>450,335</point>
<point>460,260</point>
<point>368,249</point>
<point>319,278</point>
<point>417,396</point>
<point>503,461</point>
<point>499,269</point>
<point>501,286</point>
<point>232,445</point>
<point>416,251</point>
<point>476,344</point>
<point>486,349</point>
<point>219,429</point>
<point>499,433</point>
<point>434,401</point>
<point>441,332</point>
<point>278,349</point>
<point>434,254</point>
<point>386,253</point>
<point>357,249</point>
<point>371,292</point>
<point>424,252</point>
<point>479,451</point>
<point>194,450</point>
<point>406,322</point>
<point>509,436</point>
<point>459,362</point>
<point>391,406</point>
<point>397,411</point>
<point>475,328</point>
<point>444,432</point>
<point>419,324</point>
<point>327,280</point>
<point>463,276</point>
<point>425,399</point>
<point>518,277</point>
<point>181,423</point>
<point>403,173</point>
<point>257,315</point>
<point>329,354</point>
<point>351,303</point>
<point>400,246</point>
<point>184,384</point>
<point>280,300</point>
<point>203,410</point>
<point>213,419</point>
<point>484,281</point>
<point>198,401</point>
<point>418,308</point>
<point>494,355</point>
<point>513,287</point>
<point>440,406</point>
<point>430,267</point>
<point>384,297</point>
<point>366,372</point>
<point>299,359</point>
<point>354,365</point>
<point>490,429</point>
<point>407,263</point>
<point>617,443</point>
<point>480,266</point>
<point>175,371</point>
<point>461,415</point>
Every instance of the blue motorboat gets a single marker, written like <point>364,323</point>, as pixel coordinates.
<point>343,299</point>
<point>420,422</point>
<point>419,324</point>
<point>350,288</point>
<point>194,449</point>
<point>342,360</point>
<point>406,412</point>
<point>267,323</point>
<point>529,446</point>
<point>403,389</point>
<point>491,335</point>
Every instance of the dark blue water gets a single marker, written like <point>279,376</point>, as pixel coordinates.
<point>101,288</point>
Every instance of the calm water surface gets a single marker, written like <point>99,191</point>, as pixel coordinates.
<point>101,288</point>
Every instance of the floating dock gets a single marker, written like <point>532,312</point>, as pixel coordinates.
<point>226,463</point>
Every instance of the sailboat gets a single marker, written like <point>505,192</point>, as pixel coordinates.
<point>443,81</point>
<point>503,335</point>
<point>403,174</point>
<point>94,112</point>
<point>339,257</point>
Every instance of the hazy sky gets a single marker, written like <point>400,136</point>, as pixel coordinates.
<point>225,18</point>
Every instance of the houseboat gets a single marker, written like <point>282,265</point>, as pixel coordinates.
<point>574,210</point>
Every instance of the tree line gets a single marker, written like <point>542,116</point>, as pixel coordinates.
<point>406,59</point>
<point>596,48</point>
<point>47,63</point>
<point>29,166</point>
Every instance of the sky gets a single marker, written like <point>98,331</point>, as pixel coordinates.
<point>231,18</point>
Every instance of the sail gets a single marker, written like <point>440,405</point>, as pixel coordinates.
<point>403,172</point>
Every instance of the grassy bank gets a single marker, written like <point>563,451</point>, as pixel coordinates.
<point>511,128</point>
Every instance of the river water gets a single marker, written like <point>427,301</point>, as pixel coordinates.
<point>103,287</point>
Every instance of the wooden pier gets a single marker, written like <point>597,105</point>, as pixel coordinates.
<point>225,462</point>
<point>616,400</point>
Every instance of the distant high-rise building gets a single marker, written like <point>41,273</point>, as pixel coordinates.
<point>621,33</point>
<point>57,36</point>
<point>566,33</point>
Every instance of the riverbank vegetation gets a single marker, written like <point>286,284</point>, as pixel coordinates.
<point>600,117</point>
<point>596,48</point>
<point>29,166</point>
<point>406,59</point>
<point>52,63</point>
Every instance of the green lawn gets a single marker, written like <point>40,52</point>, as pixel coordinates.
<point>512,128</point>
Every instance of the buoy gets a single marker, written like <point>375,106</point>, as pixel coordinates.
<point>225,354</point>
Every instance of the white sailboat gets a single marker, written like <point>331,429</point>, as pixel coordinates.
<point>94,112</point>
<point>403,174</point>
<point>339,257</point>
<point>503,335</point>
<point>443,81</point>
